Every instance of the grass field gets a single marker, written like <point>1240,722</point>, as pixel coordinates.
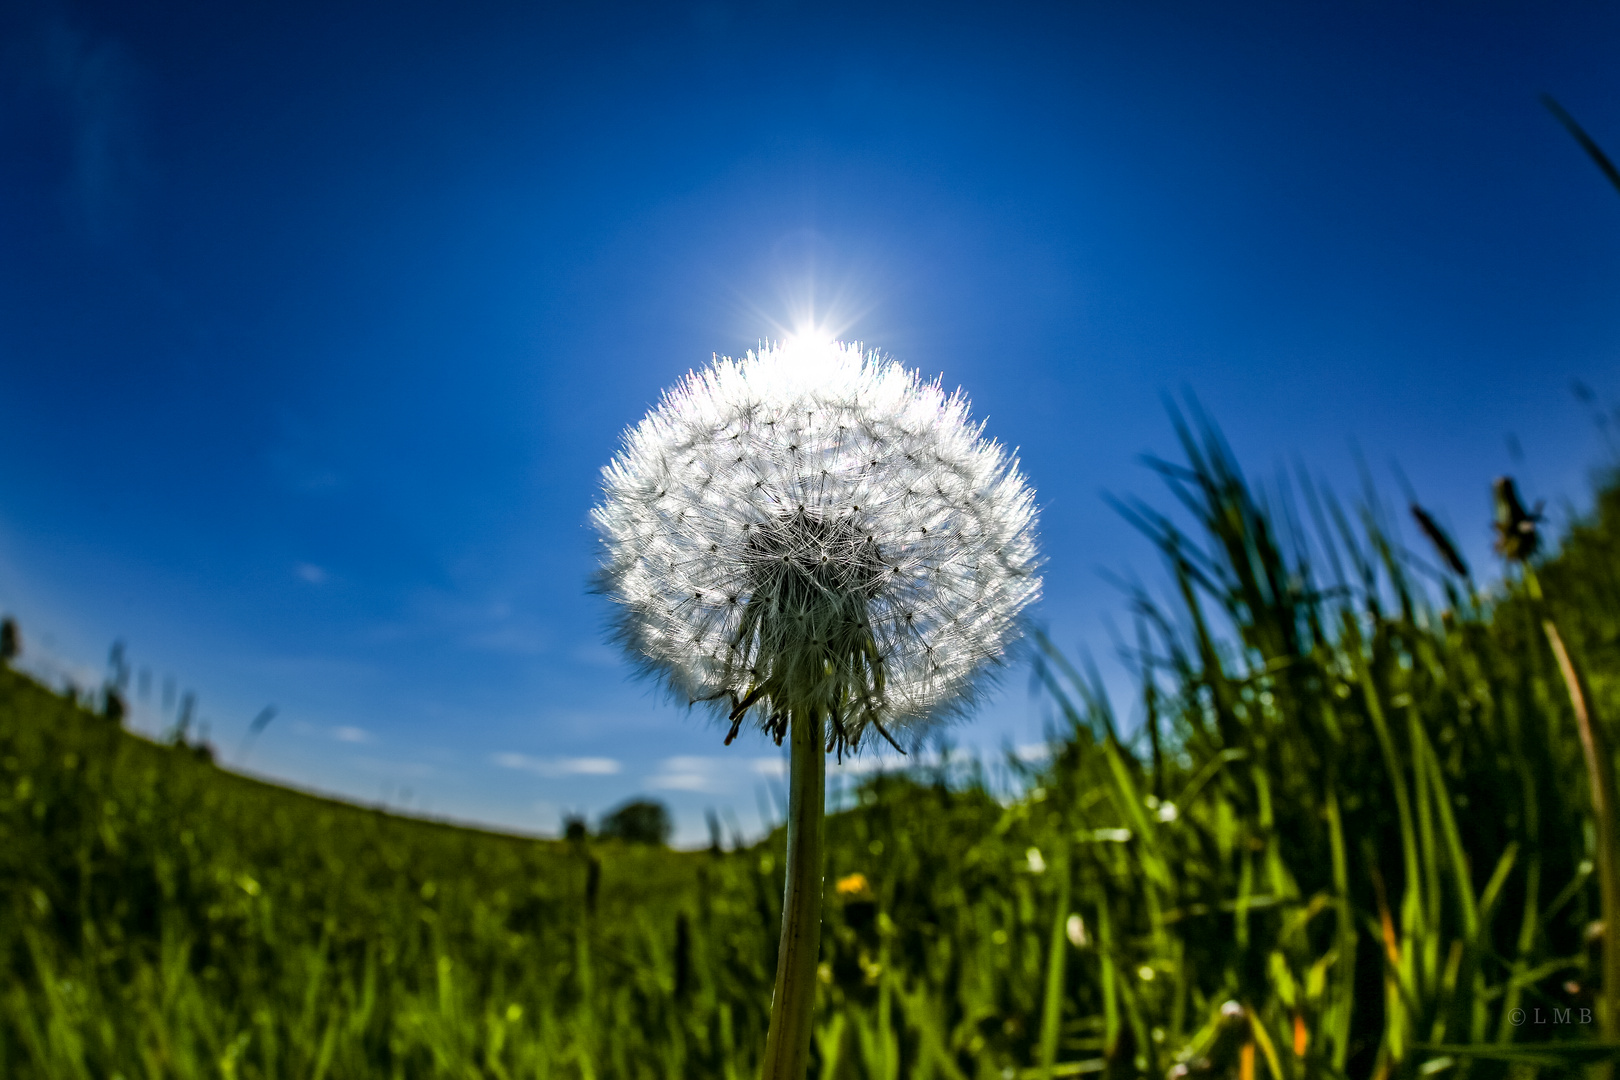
<point>1354,838</point>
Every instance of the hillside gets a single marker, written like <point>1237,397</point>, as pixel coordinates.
<point>169,918</point>
<point>183,899</point>
<point>1352,839</point>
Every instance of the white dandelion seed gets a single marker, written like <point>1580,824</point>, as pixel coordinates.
<point>813,527</point>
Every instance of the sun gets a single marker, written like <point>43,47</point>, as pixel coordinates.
<point>810,346</point>
<point>810,338</point>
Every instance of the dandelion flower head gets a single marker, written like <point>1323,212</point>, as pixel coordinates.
<point>813,526</point>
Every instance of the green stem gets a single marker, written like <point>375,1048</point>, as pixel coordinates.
<point>1605,813</point>
<point>787,1047</point>
<point>1056,954</point>
<point>1600,777</point>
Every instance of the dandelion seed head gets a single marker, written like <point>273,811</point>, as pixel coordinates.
<point>814,526</point>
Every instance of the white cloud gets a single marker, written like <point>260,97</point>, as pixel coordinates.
<point>725,773</point>
<point>342,733</point>
<point>397,770</point>
<point>54,669</point>
<point>682,781</point>
<point>715,774</point>
<point>870,762</point>
<point>596,655</point>
<point>559,766</point>
<point>97,85</point>
<point>511,640</point>
<point>687,773</point>
<point>311,573</point>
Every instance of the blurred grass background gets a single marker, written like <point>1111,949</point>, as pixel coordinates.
<point>1352,837</point>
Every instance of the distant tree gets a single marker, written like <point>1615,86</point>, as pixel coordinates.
<point>10,640</point>
<point>575,829</point>
<point>640,821</point>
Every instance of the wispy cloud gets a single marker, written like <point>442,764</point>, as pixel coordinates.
<point>41,661</point>
<point>398,770</point>
<point>552,767</point>
<point>346,733</point>
<point>725,773</point>
<point>95,84</point>
<point>714,774</point>
<point>511,640</point>
<point>686,774</point>
<point>311,573</point>
<point>875,760</point>
<point>868,763</point>
<point>596,655</point>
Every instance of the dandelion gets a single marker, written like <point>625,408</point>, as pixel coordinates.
<point>814,527</point>
<point>853,885</point>
<point>815,541</point>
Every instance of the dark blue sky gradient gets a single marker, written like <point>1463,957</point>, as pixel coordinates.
<point>318,320</point>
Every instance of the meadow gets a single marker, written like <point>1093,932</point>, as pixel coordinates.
<point>1351,837</point>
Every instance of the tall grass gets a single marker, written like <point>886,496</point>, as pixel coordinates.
<point>1357,812</point>
<point>1349,838</point>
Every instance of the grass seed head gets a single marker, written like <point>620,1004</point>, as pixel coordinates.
<point>1517,536</point>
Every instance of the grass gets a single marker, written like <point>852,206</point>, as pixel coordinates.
<point>1351,838</point>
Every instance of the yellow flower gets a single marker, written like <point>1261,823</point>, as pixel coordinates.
<point>853,885</point>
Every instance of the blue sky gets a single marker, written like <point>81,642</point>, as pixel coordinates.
<point>317,321</point>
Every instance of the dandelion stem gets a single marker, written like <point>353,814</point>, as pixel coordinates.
<point>787,1047</point>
